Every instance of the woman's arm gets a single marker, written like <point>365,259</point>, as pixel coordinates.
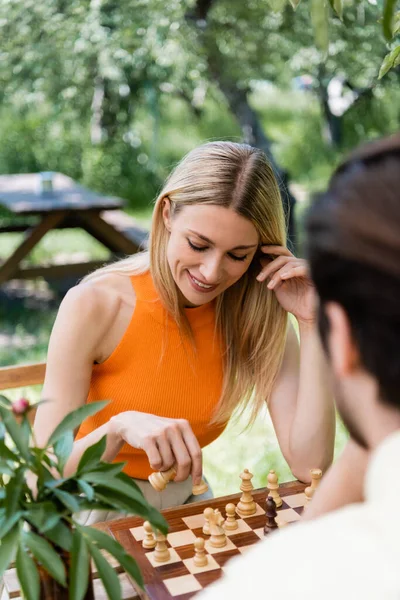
<point>87,330</point>
<point>342,484</point>
<point>301,405</point>
<point>84,317</point>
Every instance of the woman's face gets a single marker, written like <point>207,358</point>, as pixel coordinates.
<point>209,249</point>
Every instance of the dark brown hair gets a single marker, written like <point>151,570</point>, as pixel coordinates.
<point>354,252</point>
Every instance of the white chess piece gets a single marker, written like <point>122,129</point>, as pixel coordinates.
<point>161,553</point>
<point>150,539</point>
<point>200,558</point>
<point>231,523</point>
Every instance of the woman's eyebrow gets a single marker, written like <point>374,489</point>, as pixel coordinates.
<point>206,239</point>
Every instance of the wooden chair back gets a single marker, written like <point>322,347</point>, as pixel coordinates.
<point>21,375</point>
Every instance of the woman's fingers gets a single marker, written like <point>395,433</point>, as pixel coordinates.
<point>294,271</point>
<point>165,450</point>
<point>194,449</point>
<point>183,461</point>
<point>150,447</point>
<point>272,267</point>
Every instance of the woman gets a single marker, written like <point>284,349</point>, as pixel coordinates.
<point>179,337</point>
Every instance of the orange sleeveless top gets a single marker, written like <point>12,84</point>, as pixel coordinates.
<point>151,371</point>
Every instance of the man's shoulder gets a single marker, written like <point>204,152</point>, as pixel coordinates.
<point>339,555</point>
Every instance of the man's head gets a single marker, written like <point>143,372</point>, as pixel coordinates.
<point>354,252</point>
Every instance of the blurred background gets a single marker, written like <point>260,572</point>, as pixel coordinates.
<point>113,94</point>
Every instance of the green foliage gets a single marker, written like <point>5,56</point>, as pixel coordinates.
<point>34,527</point>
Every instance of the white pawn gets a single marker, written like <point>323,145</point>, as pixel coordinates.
<point>230,524</point>
<point>150,539</point>
<point>316,475</point>
<point>161,553</point>
<point>206,527</point>
<point>200,557</point>
<point>273,487</point>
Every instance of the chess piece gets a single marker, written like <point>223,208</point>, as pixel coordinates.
<point>161,553</point>
<point>207,513</point>
<point>160,480</point>
<point>218,535</point>
<point>270,511</point>
<point>246,505</point>
<point>150,539</point>
<point>200,558</point>
<point>273,487</point>
<point>230,523</point>
<point>316,475</point>
<point>200,488</point>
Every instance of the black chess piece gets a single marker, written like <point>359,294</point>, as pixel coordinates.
<point>270,510</point>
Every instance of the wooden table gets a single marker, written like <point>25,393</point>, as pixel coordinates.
<point>68,205</point>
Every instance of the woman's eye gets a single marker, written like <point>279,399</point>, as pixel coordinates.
<point>197,248</point>
<point>240,258</point>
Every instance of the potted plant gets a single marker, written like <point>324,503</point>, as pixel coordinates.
<point>38,528</point>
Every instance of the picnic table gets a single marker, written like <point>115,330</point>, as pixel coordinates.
<point>63,205</point>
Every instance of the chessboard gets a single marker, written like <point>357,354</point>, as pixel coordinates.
<point>179,578</point>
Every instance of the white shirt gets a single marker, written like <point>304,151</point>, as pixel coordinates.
<point>350,554</point>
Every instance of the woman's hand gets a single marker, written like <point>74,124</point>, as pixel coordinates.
<point>167,442</point>
<point>289,279</point>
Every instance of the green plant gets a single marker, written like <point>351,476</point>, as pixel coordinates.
<point>37,523</point>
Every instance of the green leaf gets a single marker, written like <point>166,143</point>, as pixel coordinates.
<point>105,542</point>
<point>8,549</point>
<point>115,484</point>
<point>62,449</point>
<point>60,536</point>
<point>8,522</point>
<point>295,3</point>
<point>337,6</point>
<point>80,566</point>
<point>86,489</point>
<point>43,515</point>
<point>6,453</point>
<point>28,575</point>
<point>14,490</point>
<point>75,418</point>
<point>68,500</point>
<point>106,573</point>
<point>320,22</point>
<point>91,458</point>
<point>5,401</point>
<point>388,18</point>
<point>46,555</point>
<point>396,24</point>
<point>121,503</point>
<point>109,468</point>
<point>5,468</point>
<point>391,60</point>
<point>15,431</point>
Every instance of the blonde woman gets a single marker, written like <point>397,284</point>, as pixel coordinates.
<point>181,336</point>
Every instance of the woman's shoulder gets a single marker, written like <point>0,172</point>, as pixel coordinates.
<point>99,299</point>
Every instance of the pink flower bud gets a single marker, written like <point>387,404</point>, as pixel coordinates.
<point>20,406</point>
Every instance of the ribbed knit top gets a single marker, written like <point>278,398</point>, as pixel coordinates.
<point>153,371</point>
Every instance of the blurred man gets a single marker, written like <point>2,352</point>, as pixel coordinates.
<point>354,253</point>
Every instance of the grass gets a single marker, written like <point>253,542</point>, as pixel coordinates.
<point>26,323</point>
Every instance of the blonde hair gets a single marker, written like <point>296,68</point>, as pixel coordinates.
<point>249,319</point>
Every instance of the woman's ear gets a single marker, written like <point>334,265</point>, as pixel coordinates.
<point>166,213</point>
<point>343,353</point>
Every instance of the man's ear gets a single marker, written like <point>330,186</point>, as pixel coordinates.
<point>343,353</point>
<point>166,213</point>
